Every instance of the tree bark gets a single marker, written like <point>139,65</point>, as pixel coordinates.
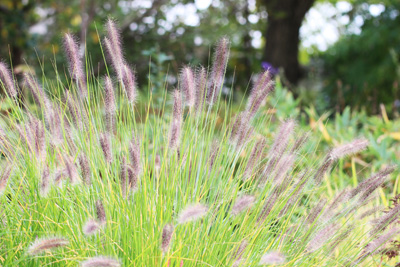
<point>282,35</point>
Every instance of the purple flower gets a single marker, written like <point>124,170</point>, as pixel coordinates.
<point>268,66</point>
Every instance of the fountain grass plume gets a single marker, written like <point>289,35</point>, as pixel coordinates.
<point>132,178</point>
<point>101,261</point>
<point>349,149</point>
<point>192,213</point>
<point>44,244</point>
<point>109,104</point>
<point>113,46</point>
<point>105,144</point>
<point>370,212</point>
<point>100,212</point>
<point>39,139</point>
<point>129,83</point>
<point>322,237</point>
<point>188,85</point>
<point>76,66</point>
<point>242,203</point>
<point>166,237</point>
<point>282,138</point>
<point>316,211</point>
<point>59,176</point>
<point>254,158</point>
<point>74,110</point>
<point>300,142</point>
<point>6,80</point>
<point>91,227</point>
<point>71,170</point>
<point>85,168</point>
<point>176,123</point>
<point>5,176</point>
<point>262,87</point>
<point>215,147</point>
<point>282,168</point>
<point>123,175</point>
<point>272,258</point>
<point>45,184</point>
<point>367,185</point>
<point>239,253</point>
<point>381,240</point>
<point>218,68</point>
<point>201,88</point>
<point>37,91</point>
<point>241,130</point>
<point>134,153</point>
<point>267,208</point>
<point>386,220</point>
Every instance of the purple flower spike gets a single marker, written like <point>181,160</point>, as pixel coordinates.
<point>268,66</point>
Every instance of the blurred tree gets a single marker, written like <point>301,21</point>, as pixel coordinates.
<point>362,68</point>
<point>282,34</point>
<point>16,17</point>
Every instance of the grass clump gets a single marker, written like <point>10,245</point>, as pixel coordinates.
<point>179,187</point>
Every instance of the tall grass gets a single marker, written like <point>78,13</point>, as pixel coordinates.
<point>90,179</point>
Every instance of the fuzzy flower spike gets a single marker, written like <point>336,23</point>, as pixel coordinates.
<point>76,69</point>
<point>217,74</point>
<point>114,48</point>
<point>6,80</point>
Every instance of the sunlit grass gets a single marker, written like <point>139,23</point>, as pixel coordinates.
<point>210,167</point>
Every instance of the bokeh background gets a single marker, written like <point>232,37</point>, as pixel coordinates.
<point>329,54</point>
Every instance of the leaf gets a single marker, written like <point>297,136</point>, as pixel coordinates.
<point>395,135</point>
<point>324,132</point>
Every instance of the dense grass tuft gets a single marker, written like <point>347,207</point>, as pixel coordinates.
<point>91,178</point>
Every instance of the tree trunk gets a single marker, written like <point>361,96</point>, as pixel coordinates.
<point>282,35</point>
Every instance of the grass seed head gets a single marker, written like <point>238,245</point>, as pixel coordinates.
<point>74,110</point>
<point>242,203</point>
<point>7,81</point>
<point>166,237</point>
<point>37,91</point>
<point>134,151</point>
<point>101,261</point>
<point>105,143</point>
<point>201,84</point>
<point>85,168</point>
<point>188,85</point>
<point>113,46</point>
<point>100,212</point>
<point>239,253</point>
<point>109,99</point>
<point>132,178</point>
<point>378,242</point>
<point>216,80</point>
<point>5,176</point>
<point>322,237</point>
<point>349,149</point>
<point>76,68</point>
<point>272,257</point>
<point>316,211</point>
<point>261,88</point>
<point>129,82</point>
<point>91,227</point>
<point>123,175</point>
<point>192,213</point>
<point>45,184</point>
<point>71,170</point>
<point>41,245</point>
<point>174,135</point>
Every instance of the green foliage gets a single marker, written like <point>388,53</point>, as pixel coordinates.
<point>362,68</point>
